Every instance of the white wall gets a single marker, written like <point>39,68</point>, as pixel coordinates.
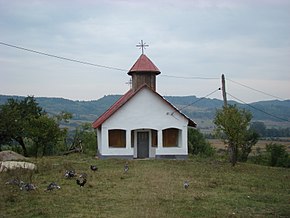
<point>146,110</point>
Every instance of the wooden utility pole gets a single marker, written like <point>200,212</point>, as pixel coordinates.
<point>224,91</point>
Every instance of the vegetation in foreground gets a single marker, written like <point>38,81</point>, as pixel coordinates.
<point>151,188</point>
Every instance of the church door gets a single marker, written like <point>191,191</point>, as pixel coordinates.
<point>142,144</point>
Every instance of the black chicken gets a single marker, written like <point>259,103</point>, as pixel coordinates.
<point>28,187</point>
<point>94,168</point>
<point>52,186</point>
<point>81,182</point>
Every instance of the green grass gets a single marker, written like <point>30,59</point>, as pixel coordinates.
<point>151,188</point>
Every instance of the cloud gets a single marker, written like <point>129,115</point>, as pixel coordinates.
<point>246,40</point>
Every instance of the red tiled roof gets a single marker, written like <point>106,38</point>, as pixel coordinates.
<point>125,98</point>
<point>113,108</point>
<point>144,64</point>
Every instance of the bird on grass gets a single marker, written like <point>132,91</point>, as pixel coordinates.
<point>186,184</point>
<point>83,175</point>
<point>69,174</point>
<point>81,182</point>
<point>126,167</point>
<point>52,186</point>
<point>15,181</point>
<point>22,185</point>
<point>28,187</point>
<point>94,168</point>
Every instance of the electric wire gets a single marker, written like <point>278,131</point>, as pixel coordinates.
<point>200,99</point>
<point>258,109</point>
<point>190,77</point>
<point>246,86</point>
<point>62,58</point>
<point>94,64</point>
<point>121,69</point>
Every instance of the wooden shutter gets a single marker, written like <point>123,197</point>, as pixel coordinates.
<point>117,138</point>
<point>170,137</point>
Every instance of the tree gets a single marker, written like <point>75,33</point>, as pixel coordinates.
<point>45,133</point>
<point>232,126</point>
<point>63,116</point>
<point>251,138</point>
<point>15,117</point>
<point>20,120</point>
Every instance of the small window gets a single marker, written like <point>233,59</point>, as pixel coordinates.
<point>117,138</point>
<point>154,138</point>
<point>170,137</point>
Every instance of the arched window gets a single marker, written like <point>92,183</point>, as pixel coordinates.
<point>117,138</point>
<point>170,137</point>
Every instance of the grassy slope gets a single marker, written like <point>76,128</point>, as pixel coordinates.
<point>152,188</point>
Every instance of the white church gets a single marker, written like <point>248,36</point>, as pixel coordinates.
<point>142,124</point>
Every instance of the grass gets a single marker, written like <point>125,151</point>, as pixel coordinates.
<point>151,188</point>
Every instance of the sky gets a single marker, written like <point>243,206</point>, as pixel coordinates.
<point>192,42</point>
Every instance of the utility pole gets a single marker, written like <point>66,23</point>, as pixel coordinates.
<point>224,91</point>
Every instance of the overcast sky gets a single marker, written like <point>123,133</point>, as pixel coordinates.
<point>247,40</point>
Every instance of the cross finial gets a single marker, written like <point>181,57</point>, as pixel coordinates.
<point>142,46</point>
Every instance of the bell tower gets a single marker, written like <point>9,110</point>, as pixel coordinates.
<point>143,71</point>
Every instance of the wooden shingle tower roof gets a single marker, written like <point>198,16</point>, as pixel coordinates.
<point>143,72</point>
<point>144,64</point>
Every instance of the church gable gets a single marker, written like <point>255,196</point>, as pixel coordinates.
<point>146,109</point>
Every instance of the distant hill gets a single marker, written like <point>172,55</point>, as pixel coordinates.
<point>201,110</point>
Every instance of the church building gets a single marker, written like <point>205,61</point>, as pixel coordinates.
<point>142,124</point>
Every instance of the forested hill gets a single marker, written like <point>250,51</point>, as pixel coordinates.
<point>195,108</point>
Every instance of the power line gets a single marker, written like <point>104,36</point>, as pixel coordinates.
<point>62,58</point>
<point>272,115</point>
<point>190,77</point>
<point>94,64</point>
<point>124,70</point>
<point>255,89</point>
<point>199,99</point>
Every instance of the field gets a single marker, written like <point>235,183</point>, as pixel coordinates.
<point>218,144</point>
<point>151,188</point>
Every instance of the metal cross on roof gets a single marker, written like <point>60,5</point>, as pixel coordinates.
<point>142,46</point>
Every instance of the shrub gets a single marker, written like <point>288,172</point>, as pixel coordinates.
<point>278,155</point>
<point>197,144</point>
<point>261,158</point>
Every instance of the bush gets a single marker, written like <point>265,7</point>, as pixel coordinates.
<point>261,158</point>
<point>197,144</point>
<point>278,155</point>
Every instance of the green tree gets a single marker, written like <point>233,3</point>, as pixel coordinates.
<point>197,144</point>
<point>251,138</point>
<point>45,133</point>
<point>24,120</point>
<point>63,116</point>
<point>15,117</point>
<point>232,126</point>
